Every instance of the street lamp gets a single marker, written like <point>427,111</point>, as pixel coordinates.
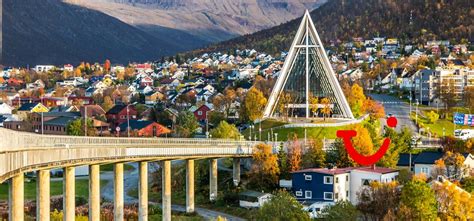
<point>260,130</point>
<point>250,136</point>
<point>416,112</point>
<point>276,137</point>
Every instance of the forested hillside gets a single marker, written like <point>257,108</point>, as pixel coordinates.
<point>343,19</point>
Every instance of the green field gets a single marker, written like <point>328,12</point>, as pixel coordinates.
<point>82,189</point>
<point>283,133</point>
<point>437,128</point>
<point>110,167</point>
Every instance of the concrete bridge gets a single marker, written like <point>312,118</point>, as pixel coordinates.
<point>22,152</point>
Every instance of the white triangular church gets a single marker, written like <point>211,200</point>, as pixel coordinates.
<point>307,73</point>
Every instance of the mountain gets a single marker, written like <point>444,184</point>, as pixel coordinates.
<point>210,20</point>
<point>53,32</point>
<point>415,20</point>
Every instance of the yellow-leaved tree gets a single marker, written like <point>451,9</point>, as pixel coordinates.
<point>362,142</point>
<point>454,203</point>
<point>356,100</point>
<point>254,103</point>
<point>265,168</point>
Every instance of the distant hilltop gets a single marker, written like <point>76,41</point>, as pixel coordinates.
<point>417,21</point>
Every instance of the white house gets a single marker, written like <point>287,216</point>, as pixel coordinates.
<point>44,68</point>
<point>253,199</point>
<point>425,162</point>
<point>363,176</point>
<point>5,109</point>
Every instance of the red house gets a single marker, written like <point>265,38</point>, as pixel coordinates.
<point>119,114</point>
<point>201,112</point>
<point>146,81</point>
<point>143,128</point>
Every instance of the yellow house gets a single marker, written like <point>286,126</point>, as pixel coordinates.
<point>108,81</point>
<point>28,108</point>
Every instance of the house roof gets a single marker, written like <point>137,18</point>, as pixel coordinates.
<point>404,159</point>
<point>116,109</point>
<point>252,193</point>
<point>334,171</point>
<point>428,157</point>
<point>380,170</point>
<point>92,110</point>
<point>28,106</point>
<point>60,121</point>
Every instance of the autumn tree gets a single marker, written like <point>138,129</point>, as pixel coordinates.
<point>108,103</point>
<point>374,109</point>
<point>284,100</point>
<point>362,142</point>
<point>254,103</point>
<point>455,167</point>
<point>315,156</point>
<point>400,143</point>
<point>439,168</point>
<point>223,102</point>
<point>295,152</point>
<point>417,201</point>
<point>107,65</point>
<point>454,203</point>
<point>376,201</point>
<point>264,171</point>
<point>282,206</point>
<point>226,131</point>
<point>468,97</point>
<point>314,102</point>
<point>356,100</point>
<point>326,110</point>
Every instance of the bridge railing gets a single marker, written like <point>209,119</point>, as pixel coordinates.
<point>15,140</point>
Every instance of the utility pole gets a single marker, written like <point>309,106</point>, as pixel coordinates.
<point>85,120</point>
<point>128,121</point>
<point>42,124</point>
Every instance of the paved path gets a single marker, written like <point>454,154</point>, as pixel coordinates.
<point>397,107</point>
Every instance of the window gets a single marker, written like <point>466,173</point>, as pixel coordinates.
<point>308,194</point>
<point>328,196</point>
<point>347,178</point>
<point>347,193</point>
<point>337,179</point>
<point>336,196</point>
<point>424,170</point>
<point>299,193</point>
<point>327,179</point>
<point>366,182</point>
<point>308,177</point>
<point>200,113</point>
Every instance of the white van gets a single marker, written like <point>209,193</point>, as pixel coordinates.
<point>464,134</point>
<point>315,209</point>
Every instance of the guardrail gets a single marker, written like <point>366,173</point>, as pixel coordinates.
<point>23,152</point>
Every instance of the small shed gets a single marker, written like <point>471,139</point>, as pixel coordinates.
<point>253,199</point>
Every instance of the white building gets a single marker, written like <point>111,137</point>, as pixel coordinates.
<point>363,176</point>
<point>44,68</point>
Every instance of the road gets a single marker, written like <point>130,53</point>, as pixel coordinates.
<point>398,108</point>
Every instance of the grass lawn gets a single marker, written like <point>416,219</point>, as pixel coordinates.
<point>437,127</point>
<point>110,167</point>
<point>82,189</point>
<point>312,132</point>
<point>157,217</point>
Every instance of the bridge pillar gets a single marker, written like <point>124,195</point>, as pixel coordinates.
<point>143,192</point>
<point>166,190</point>
<point>236,171</point>
<point>189,186</point>
<point>118,192</point>
<point>69,194</point>
<point>16,200</point>
<point>94,193</point>
<point>213,179</point>
<point>43,196</point>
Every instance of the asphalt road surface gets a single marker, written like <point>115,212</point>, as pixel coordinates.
<point>398,108</point>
